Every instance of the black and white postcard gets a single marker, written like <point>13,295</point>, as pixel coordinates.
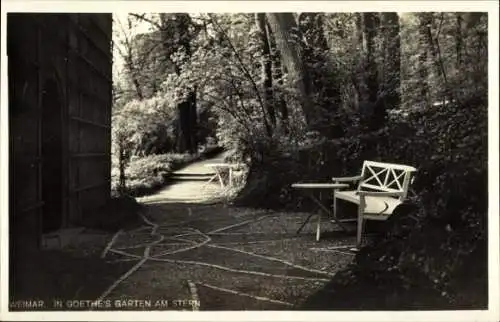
<point>237,160</point>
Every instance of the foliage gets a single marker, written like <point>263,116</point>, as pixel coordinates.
<point>446,142</point>
<point>456,56</point>
<point>421,81</point>
<point>145,174</point>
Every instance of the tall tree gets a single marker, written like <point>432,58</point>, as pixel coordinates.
<point>370,25</point>
<point>438,61</point>
<point>266,65</point>
<point>372,109</point>
<point>392,59</point>
<point>433,43</point>
<point>476,24</point>
<point>357,78</point>
<point>277,71</point>
<point>176,34</point>
<point>423,57</point>
<point>459,39</point>
<point>287,37</point>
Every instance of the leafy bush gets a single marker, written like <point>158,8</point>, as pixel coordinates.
<point>145,174</point>
<point>148,173</point>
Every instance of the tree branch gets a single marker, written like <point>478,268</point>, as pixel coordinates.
<point>229,110</point>
<point>129,61</point>
<point>247,73</point>
<point>144,18</point>
<point>240,96</point>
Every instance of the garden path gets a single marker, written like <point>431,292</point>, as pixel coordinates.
<point>190,185</point>
<point>193,253</point>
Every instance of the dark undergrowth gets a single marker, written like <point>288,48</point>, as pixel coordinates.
<point>382,277</point>
<point>428,248</point>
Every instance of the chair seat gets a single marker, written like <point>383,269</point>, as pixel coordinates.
<point>377,208</point>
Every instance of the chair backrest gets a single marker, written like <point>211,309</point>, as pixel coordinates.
<point>388,177</point>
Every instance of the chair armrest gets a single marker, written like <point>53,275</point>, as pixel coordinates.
<point>346,179</point>
<point>379,193</point>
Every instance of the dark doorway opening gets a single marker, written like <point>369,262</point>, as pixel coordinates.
<point>52,157</point>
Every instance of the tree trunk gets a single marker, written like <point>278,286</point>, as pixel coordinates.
<point>373,109</point>
<point>267,78</point>
<point>357,79</point>
<point>193,122</point>
<point>122,159</point>
<point>437,61</point>
<point>371,23</point>
<point>392,51</point>
<point>477,41</point>
<point>359,29</point>
<point>423,68</point>
<point>138,89</point>
<point>183,139</point>
<point>178,29</point>
<point>459,40</point>
<point>278,96</point>
<point>427,19</point>
<point>285,30</point>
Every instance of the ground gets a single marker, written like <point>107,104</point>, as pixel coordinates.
<point>194,252</point>
<point>232,258</point>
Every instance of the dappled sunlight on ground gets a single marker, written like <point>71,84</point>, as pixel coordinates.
<point>183,192</point>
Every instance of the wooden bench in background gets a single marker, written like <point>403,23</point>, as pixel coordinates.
<point>381,188</point>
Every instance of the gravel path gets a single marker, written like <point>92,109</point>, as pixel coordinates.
<point>191,254</point>
<point>235,258</point>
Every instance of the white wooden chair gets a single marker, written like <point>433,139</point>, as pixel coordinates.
<point>381,188</point>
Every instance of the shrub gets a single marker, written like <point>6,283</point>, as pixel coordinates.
<point>145,174</point>
<point>148,173</point>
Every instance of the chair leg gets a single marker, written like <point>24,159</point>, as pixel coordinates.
<point>334,205</point>
<point>220,180</point>
<point>360,229</point>
<point>318,227</point>
<point>304,223</point>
